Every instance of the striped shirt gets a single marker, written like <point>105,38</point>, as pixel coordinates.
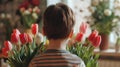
<point>56,58</point>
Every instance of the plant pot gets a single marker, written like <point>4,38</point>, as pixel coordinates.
<point>105,42</point>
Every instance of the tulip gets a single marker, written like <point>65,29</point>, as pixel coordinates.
<point>34,15</point>
<point>79,37</point>
<point>83,27</point>
<point>22,9</point>
<point>24,5</point>
<point>93,35</point>
<point>107,12</point>
<point>34,2</point>
<point>8,45</point>
<point>29,38</point>
<point>30,10</point>
<point>97,41</point>
<point>23,38</point>
<point>14,38</point>
<point>16,31</point>
<point>5,52</point>
<point>34,28</point>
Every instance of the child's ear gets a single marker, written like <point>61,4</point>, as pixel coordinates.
<point>71,34</point>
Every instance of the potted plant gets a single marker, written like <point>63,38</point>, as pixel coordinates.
<point>103,16</point>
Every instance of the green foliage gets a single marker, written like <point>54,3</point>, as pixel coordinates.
<point>85,53</point>
<point>22,57</point>
<point>104,24</point>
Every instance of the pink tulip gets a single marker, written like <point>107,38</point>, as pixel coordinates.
<point>30,10</point>
<point>29,38</point>
<point>79,37</point>
<point>97,41</point>
<point>23,38</point>
<point>5,52</point>
<point>34,28</point>
<point>93,35</point>
<point>37,11</point>
<point>16,31</point>
<point>83,27</point>
<point>15,36</point>
<point>8,45</point>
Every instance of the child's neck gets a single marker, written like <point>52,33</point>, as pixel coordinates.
<point>59,44</point>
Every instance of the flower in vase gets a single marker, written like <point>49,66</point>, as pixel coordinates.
<point>107,12</point>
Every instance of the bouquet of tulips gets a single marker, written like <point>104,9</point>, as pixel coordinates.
<point>22,47</point>
<point>85,49</point>
<point>29,12</point>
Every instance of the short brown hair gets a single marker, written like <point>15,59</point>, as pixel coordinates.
<point>58,21</point>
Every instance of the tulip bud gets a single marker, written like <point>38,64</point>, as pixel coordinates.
<point>16,31</point>
<point>26,12</point>
<point>30,40</point>
<point>23,38</point>
<point>39,38</point>
<point>14,38</point>
<point>8,45</point>
<point>97,41</point>
<point>93,35</point>
<point>30,10</point>
<point>83,27</point>
<point>79,37</point>
<point>34,28</point>
<point>22,9</point>
<point>34,15</point>
<point>107,12</point>
<point>5,52</point>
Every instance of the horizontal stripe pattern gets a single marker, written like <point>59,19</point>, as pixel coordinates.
<point>55,58</point>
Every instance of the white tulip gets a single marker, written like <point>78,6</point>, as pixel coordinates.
<point>107,12</point>
<point>39,38</point>
<point>115,20</point>
<point>8,16</point>
<point>26,12</point>
<point>35,8</point>
<point>35,16</point>
<point>2,15</point>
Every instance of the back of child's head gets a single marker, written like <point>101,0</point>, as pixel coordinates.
<point>58,21</point>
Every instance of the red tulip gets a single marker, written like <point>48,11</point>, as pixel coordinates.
<point>16,31</point>
<point>79,37</point>
<point>23,38</point>
<point>83,27</point>
<point>25,5</point>
<point>34,29</point>
<point>97,41</point>
<point>93,35</point>
<point>15,36</point>
<point>34,2</point>
<point>8,45</point>
<point>5,52</point>
<point>29,38</point>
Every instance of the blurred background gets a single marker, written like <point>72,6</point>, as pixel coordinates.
<point>102,15</point>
